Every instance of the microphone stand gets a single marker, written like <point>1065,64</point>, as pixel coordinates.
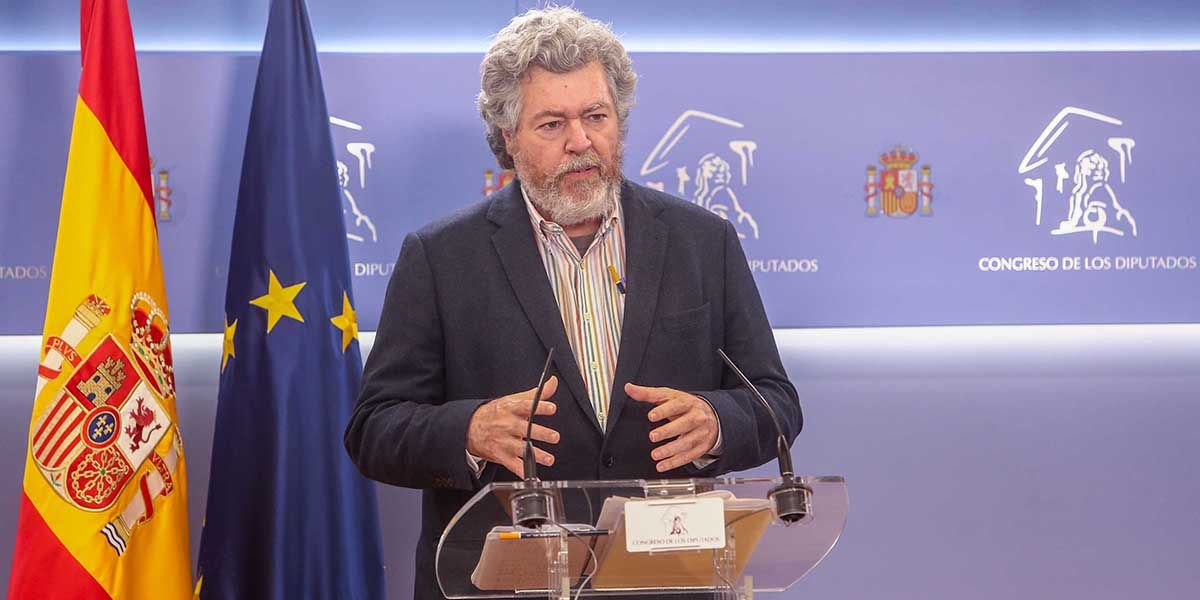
<point>791,500</point>
<point>533,506</point>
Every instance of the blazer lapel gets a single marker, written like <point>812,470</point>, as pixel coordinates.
<point>522,263</point>
<point>645,255</point>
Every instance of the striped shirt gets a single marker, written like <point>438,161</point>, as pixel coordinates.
<point>591,306</point>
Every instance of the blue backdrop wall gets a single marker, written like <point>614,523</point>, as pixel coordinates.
<point>983,461</point>
<point>869,189</point>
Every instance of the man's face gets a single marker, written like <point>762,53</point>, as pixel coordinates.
<point>567,144</point>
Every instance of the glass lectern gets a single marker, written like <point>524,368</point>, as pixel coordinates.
<point>719,538</point>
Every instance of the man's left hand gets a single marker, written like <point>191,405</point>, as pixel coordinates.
<point>692,423</point>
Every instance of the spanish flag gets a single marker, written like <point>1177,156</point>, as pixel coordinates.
<point>104,507</point>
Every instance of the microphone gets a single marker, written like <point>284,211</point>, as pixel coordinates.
<point>532,506</point>
<point>790,499</point>
<point>530,462</point>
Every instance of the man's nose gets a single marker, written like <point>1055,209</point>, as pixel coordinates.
<point>577,138</point>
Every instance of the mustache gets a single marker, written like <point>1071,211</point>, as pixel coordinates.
<point>579,163</point>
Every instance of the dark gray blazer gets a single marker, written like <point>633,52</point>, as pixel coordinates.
<point>469,316</point>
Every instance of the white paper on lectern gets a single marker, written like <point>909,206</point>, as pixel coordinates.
<point>682,523</point>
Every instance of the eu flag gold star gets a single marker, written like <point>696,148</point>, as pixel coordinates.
<point>227,344</point>
<point>347,322</point>
<point>279,301</point>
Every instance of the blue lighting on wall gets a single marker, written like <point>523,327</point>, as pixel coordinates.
<point>763,26</point>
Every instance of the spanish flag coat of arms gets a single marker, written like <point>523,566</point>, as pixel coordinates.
<point>104,506</point>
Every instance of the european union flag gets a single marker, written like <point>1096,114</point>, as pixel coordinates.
<point>288,514</point>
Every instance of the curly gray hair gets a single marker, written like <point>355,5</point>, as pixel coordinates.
<point>560,40</point>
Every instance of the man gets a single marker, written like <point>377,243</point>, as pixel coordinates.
<point>478,299</point>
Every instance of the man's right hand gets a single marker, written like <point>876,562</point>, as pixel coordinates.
<point>497,429</point>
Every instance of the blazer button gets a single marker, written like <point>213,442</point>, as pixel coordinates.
<point>609,461</point>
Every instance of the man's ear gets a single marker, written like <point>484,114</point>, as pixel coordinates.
<point>507,137</point>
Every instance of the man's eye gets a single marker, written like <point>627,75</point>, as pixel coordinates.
<point>597,117</point>
<point>550,126</point>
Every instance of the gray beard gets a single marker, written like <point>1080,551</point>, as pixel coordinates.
<point>588,202</point>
